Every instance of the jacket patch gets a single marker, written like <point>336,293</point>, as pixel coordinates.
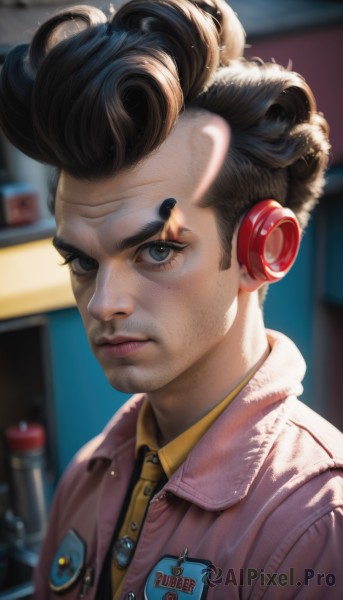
<point>68,563</point>
<point>177,578</point>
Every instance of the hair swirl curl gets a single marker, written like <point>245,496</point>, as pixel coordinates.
<point>93,95</point>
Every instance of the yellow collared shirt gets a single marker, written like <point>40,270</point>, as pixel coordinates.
<point>159,461</point>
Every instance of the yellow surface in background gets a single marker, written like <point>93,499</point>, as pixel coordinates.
<point>32,280</point>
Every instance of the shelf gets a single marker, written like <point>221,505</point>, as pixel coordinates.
<point>32,280</point>
<point>11,236</point>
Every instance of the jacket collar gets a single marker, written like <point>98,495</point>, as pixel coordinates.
<point>118,435</point>
<point>227,459</point>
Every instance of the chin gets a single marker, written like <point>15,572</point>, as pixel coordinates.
<point>130,384</point>
<point>126,388</point>
<point>136,383</point>
<point>139,379</point>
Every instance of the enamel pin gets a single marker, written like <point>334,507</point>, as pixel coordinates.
<point>177,578</point>
<point>68,563</point>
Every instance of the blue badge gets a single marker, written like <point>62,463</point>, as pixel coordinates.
<point>68,563</point>
<point>177,578</point>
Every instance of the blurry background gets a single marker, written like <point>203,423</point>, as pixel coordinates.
<point>47,372</point>
<point>46,369</point>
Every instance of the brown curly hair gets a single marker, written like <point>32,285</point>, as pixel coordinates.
<point>93,95</point>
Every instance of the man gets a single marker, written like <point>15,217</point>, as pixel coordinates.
<point>178,166</point>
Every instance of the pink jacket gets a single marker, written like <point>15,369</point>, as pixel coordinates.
<point>260,497</point>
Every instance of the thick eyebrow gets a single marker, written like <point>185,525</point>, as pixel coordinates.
<point>60,244</point>
<point>146,232</point>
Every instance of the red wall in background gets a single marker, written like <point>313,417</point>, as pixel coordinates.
<point>318,56</point>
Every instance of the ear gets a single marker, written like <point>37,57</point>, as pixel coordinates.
<point>247,283</point>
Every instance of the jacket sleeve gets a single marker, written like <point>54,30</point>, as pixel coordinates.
<point>50,544</point>
<point>311,567</point>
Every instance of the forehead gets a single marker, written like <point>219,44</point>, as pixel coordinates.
<point>184,167</point>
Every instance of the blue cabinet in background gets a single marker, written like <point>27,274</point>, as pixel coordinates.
<point>83,401</point>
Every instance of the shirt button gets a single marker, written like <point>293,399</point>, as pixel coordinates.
<point>130,596</point>
<point>147,490</point>
<point>133,526</point>
<point>155,460</point>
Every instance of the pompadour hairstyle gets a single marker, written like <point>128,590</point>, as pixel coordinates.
<point>93,95</point>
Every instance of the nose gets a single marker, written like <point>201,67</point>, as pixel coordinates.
<point>113,296</point>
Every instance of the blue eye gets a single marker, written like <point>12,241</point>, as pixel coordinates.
<point>81,265</point>
<point>84,263</point>
<point>159,253</point>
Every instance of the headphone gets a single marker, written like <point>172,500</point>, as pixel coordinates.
<point>268,241</point>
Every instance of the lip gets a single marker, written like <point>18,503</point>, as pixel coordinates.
<point>119,346</point>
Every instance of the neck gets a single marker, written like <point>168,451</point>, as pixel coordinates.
<point>195,393</point>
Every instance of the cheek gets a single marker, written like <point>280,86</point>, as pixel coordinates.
<point>200,300</point>
<point>83,295</point>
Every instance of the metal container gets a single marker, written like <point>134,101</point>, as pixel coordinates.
<point>27,472</point>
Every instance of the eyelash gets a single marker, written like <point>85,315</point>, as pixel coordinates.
<point>68,260</point>
<point>176,246</point>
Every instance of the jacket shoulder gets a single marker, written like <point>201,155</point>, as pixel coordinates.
<point>317,434</point>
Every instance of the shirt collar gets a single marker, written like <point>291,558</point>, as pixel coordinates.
<point>146,428</point>
<point>230,454</point>
<point>173,454</point>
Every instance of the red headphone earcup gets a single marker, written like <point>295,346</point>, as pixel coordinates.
<point>268,241</point>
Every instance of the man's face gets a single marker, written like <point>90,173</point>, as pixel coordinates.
<point>154,302</point>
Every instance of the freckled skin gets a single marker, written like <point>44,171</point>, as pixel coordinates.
<point>202,330</point>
